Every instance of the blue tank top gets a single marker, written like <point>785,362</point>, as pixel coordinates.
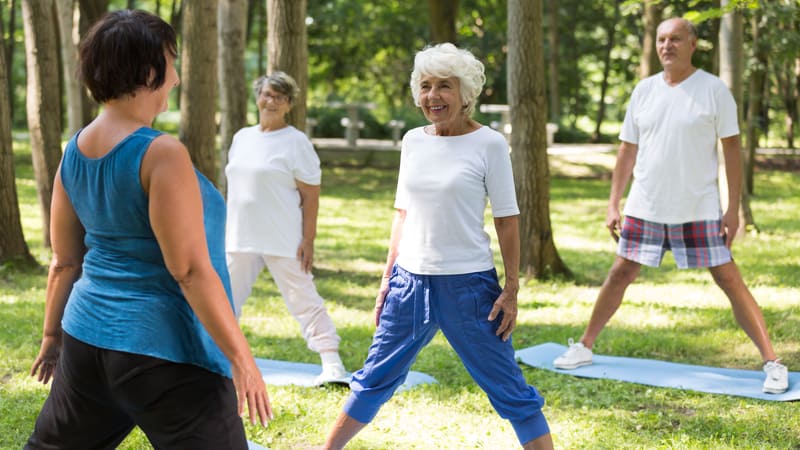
<point>126,299</point>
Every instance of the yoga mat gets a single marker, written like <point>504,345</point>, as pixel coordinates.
<point>281,373</point>
<point>254,446</point>
<point>714,380</point>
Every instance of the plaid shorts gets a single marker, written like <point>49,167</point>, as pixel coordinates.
<point>693,244</point>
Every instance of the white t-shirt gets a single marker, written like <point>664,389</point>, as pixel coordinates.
<point>676,129</point>
<point>264,214</point>
<point>443,185</point>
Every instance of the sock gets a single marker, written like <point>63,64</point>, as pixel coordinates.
<point>331,358</point>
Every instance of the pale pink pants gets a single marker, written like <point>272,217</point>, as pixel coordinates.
<point>298,291</point>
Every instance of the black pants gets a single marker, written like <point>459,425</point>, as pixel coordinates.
<point>98,396</point>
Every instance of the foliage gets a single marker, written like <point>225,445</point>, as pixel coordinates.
<point>669,314</point>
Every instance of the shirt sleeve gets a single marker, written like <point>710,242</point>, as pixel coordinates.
<point>401,197</point>
<point>727,122</point>
<point>307,166</point>
<point>500,179</point>
<point>630,131</point>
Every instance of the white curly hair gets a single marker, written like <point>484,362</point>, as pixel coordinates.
<point>445,61</point>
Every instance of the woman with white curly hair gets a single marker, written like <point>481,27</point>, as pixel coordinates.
<point>440,270</point>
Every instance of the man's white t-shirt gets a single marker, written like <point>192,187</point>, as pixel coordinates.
<point>443,184</point>
<point>676,129</point>
<point>264,214</point>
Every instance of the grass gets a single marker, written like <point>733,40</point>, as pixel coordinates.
<point>668,314</point>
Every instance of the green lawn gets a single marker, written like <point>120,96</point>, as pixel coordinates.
<point>673,315</point>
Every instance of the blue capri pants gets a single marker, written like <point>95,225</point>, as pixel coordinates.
<point>416,306</point>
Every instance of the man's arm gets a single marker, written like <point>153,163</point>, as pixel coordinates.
<point>623,171</point>
<point>732,150</point>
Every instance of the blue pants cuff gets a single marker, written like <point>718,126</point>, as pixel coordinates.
<point>360,410</point>
<point>531,428</point>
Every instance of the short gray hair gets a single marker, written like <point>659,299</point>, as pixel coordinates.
<point>445,61</point>
<point>280,82</point>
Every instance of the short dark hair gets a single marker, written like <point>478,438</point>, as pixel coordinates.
<point>123,52</point>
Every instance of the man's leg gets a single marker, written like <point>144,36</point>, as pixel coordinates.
<point>745,309</point>
<point>623,272</point>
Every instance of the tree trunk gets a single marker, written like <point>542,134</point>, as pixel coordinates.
<point>601,110</point>
<point>68,31</point>
<point>754,100</point>
<point>731,66</point>
<point>233,90</point>
<point>90,12</point>
<point>12,240</point>
<point>8,55</point>
<point>649,64</point>
<point>538,255</point>
<point>43,100</point>
<point>287,50</point>
<point>553,97</point>
<point>442,15</point>
<point>198,127</point>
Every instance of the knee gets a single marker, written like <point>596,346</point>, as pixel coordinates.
<point>623,273</point>
<point>726,276</point>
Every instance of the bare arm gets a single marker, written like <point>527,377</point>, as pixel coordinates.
<point>66,233</point>
<point>309,201</point>
<point>731,148</point>
<point>394,242</point>
<point>507,229</point>
<point>623,171</point>
<point>176,214</point>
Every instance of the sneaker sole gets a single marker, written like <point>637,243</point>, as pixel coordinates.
<point>774,391</point>
<point>572,366</point>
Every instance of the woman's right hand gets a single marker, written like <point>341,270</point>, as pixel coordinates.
<point>380,298</point>
<point>45,363</point>
<point>250,387</point>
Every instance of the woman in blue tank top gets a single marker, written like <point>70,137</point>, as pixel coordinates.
<point>139,328</point>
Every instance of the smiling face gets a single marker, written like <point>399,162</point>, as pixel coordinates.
<point>675,45</point>
<point>440,100</point>
<point>272,104</point>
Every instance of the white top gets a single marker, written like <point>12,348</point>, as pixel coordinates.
<point>443,185</point>
<point>264,214</point>
<point>676,129</point>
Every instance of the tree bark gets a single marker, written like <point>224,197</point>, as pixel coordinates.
<point>12,240</point>
<point>287,50</point>
<point>8,55</point>
<point>69,37</point>
<point>553,97</point>
<point>538,255</point>
<point>43,100</point>
<point>754,99</point>
<point>442,15</point>
<point>198,127</point>
<point>90,12</point>
<point>232,84</point>
<point>649,64</point>
<point>731,66</point>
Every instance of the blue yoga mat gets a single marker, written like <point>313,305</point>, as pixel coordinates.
<point>281,373</point>
<point>254,446</point>
<point>714,380</point>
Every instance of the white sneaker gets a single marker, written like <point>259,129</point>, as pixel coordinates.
<point>333,373</point>
<point>576,356</point>
<point>777,381</point>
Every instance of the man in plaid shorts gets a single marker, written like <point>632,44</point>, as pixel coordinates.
<point>669,139</point>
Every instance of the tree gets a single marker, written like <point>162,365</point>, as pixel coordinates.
<point>442,15</point>
<point>198,127</point>
<point>8,54</point>
<point>232,84</point>
<point>90,11</point>
<point>43,99</point>
<point>287,49</point>
<point>552,63</point>
<point>756,85</point>
<point>12,241</point>
<point>526,97</point>
<point>649,63</point>
<point>611,32</point>
<point>68,32</point>
<point>731,65</point>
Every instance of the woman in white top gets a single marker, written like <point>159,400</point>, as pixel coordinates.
<point>273,176</point>
<point>440,271</point>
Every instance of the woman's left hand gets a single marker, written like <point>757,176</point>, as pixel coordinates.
<point>507,304</point>
<point>305,254</point>
<point>44,367</point>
